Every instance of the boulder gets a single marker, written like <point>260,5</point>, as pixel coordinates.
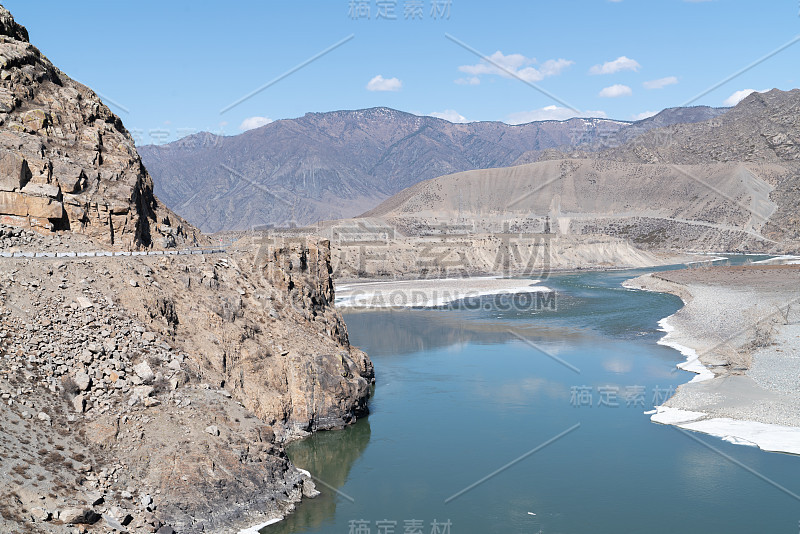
<point>113,523</point>
<point>144,371</point>
<point>40,514</point>
<point>140,393</point>
<point>79,403</point>
<point>78,516</point>
<point>83,380</point>
<point>14,172</point>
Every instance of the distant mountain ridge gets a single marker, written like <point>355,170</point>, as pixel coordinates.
<point>731,182</point>
<point>339,164</point>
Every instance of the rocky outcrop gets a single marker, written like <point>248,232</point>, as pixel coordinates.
<point>262,324</point>
<point>331,389</point>
<point>167,385</point>
<point>66,161</point>
<point>142,392</point>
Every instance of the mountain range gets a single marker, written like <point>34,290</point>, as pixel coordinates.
<point>325,166</point>
<point>727,183</point>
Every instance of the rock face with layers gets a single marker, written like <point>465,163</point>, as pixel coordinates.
<point>66,161</point>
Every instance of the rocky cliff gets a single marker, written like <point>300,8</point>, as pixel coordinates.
<point>154,391</point>
<point>149,392</point>
<point>66,161</point>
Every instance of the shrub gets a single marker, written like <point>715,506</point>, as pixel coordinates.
<point>161,386</point>
<point>69,388</point>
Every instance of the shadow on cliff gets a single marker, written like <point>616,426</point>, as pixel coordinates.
<point>328,456</point>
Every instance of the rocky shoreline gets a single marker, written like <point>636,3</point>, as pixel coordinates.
<point>739,331</point>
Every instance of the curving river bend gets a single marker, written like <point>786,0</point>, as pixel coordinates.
<point>483,417</point>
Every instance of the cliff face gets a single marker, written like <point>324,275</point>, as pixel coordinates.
<point>262,324</point>
<point>174,379</point>
<point>66,161</point>
<point>332,387</point>
<point>141,392</point>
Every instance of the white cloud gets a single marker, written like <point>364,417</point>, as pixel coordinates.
<point>615,91</point>
<point>550,113</point>
<point>450,115</point>
<point>553,67</point>
<point>254,122</point>
<point>379,83</point>
<point>738,96</point>
<point>643,115</point>
<point>513,65</point>
<point>660,83</point>
<point>610,67</point>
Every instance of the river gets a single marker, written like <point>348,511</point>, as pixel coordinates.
<point>487,419</point>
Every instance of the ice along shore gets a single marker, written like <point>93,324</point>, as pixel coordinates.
<point>740,334</point>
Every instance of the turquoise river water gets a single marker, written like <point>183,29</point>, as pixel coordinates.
<point>484,416</point>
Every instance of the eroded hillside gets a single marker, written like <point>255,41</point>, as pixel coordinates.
<point>159,390</point>
<point>729,183</point>
<point>145,392</point>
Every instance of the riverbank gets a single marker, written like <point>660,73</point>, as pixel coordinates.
<point>738,330</point>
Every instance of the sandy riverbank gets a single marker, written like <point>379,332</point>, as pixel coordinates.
<point>429,293</point>
<point>739,332</point>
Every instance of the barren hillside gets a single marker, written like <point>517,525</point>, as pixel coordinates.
<point>143,392</point>
<point>728,183</point>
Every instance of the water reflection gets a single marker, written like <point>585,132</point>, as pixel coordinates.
<point>468,397</point>
<point>328,456</point>
<point>399,332</point>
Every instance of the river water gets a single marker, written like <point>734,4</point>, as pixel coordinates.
<point>484,416</point>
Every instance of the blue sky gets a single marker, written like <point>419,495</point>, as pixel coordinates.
<point>173,65</point>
